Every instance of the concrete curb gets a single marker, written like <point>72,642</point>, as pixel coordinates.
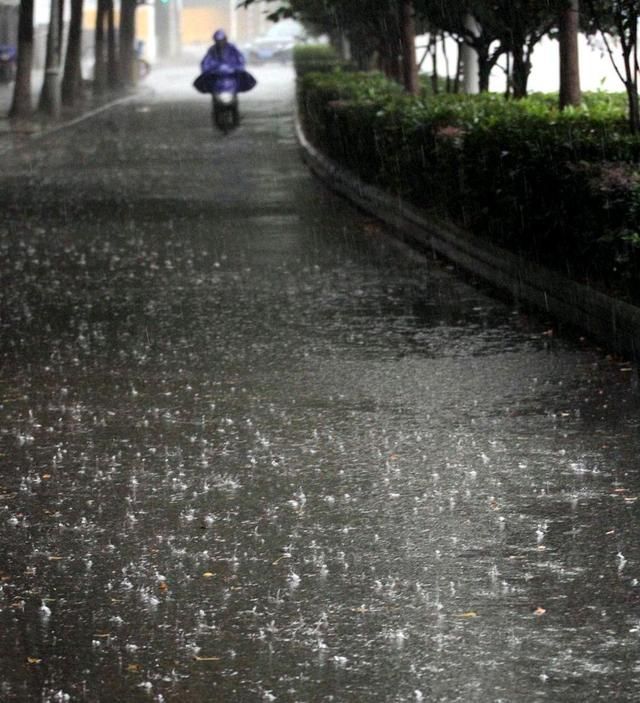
<point>612,322</point>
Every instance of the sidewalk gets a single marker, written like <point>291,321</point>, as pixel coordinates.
<point>38,124</point>
<point>251,451</point>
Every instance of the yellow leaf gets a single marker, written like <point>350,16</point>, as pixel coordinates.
<point>468,614</point>
<point>134,667</point>
<point>208,574</point>
<point>33,660</point>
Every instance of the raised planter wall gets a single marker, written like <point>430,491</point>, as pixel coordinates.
<point>613,323</point>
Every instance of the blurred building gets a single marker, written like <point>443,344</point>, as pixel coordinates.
<point>162,26</point>
<point>9,21</point>
<point>200,18</point>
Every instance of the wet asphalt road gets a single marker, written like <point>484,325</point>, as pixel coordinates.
<point>251,450</point>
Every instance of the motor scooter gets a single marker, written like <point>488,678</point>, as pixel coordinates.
<point>225,111</point>
<point>224,84</point>
<point>8,57</point>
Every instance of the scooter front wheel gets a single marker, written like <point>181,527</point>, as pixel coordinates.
<point>223,118</point>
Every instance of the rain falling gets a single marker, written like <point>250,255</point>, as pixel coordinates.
<point>254,449</point>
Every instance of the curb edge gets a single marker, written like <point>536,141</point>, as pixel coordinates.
<point>612,322</point>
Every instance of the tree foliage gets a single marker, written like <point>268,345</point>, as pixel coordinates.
<point>501,27</point>
<point>619,18</point>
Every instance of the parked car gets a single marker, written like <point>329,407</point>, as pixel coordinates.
<point>277,43</point>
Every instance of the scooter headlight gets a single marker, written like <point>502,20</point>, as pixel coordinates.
<point>225,98</point>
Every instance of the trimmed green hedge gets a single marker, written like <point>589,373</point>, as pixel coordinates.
<point>560,187</point>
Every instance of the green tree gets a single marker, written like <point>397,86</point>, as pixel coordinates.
<point>618,19</point>
<point>518,26</point>
<point>452,18</point>
<point>385,29</point>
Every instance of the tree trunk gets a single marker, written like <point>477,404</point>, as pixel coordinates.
<point>345,48</point>
<point>484,70</point>
<point>634,109</point>
<point>569,61</point>
<point>408,44</point>
<point>520,73</point>
<point>100,64</point>
<point>630,82</point>
<point>507,73</point>
<point>112,48</point>
<point>447,68</point>
<point>433,41</point>
<point>630,50</point>
<point>471,68</point>
<point>389,59</point>
<point>50,98</point>
<point>72,78</point>
<point>459,68</point>
<point>127,63</point>
<point>21,103</point>
<point>361,53</point>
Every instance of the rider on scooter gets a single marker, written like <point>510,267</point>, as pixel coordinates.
<point>223,65</point>
<point>221,52</point>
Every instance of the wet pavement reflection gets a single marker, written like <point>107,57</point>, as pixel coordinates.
<point>254,450</point>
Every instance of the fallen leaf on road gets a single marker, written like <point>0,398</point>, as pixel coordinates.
<point>468,614</point>
<point>208,574</point>
<point>207,659</point>
<point>33,660</point>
